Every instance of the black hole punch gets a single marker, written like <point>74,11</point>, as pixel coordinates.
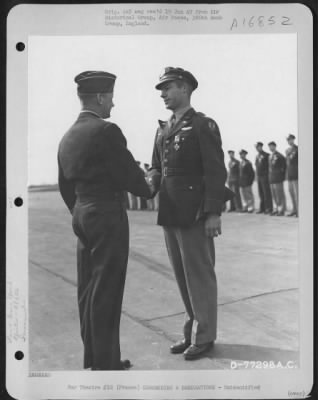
<point>19,355</point>
<point>18,201</point>
<point>20,46</point>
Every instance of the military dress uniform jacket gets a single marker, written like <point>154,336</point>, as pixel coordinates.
<point>94,161</point>
<point>261,164</point>
<point>247,173</point>
<point>234,171</point>
<point>188,167</point>
<point>277,168</point>
<point>292,163</point>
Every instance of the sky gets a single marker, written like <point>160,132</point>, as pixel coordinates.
<point>247,84</point>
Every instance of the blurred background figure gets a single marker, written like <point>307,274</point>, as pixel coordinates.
<point>247,176</point>
<point>141,201</point>
<point>292,173</point>
<point>233,182</point>
<point>264,191</point>
<point>277,171</point>
<point>150,202</point>
<point>133,203</point>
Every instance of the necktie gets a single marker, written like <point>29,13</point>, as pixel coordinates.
<point>172,122</point>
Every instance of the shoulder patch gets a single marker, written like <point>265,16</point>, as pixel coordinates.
<point>211,124</point>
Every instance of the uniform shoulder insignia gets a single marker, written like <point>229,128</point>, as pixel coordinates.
<point>211,124</point>
<point>210,121</point>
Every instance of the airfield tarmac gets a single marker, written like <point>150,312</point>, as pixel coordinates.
<point>258,307</point>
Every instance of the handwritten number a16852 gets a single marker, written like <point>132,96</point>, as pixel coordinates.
<point>260,21</point>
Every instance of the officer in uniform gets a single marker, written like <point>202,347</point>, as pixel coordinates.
<point>233,182</point>
<point>95,168</point>
<point>292,173</point>
<point>247,176</point>
<point>188,167</point>
<point>264,191</point>
<point>277,171</point>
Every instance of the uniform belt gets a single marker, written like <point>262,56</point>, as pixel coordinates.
<point>91,191</point>
<point>179,172</point>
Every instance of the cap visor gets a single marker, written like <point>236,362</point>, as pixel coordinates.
<point>161,83</point>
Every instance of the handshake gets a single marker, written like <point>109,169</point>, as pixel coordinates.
<point>153,179</point>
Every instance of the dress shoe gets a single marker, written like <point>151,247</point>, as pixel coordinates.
<point>250,211</point>
<point>280,213</point>
<point>179,347</point>
<point>197,350</point>
<point>259,212</point>
<point>273,213</point>
<point>291,214</point>
<point>123,364</point>
<point>267,211</point>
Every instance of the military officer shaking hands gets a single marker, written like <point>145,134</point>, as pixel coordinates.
<point>188,170</point>
<point>95,171</point>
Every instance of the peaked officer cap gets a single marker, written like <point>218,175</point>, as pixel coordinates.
<point>172,74</point>
<point>230,151</point>
<point>95,82</point>
<point>290,136</point>
<point>272,144</point>
<point>243,151</point>
<point>258,144</point>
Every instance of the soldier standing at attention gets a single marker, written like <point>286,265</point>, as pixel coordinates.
<point>292,173</point>
<point>188,166</point>
<point>277,171</point>
<point>95,168</point>
<point>264,190</point>
<point>233,182</point>
<point>247,176</point>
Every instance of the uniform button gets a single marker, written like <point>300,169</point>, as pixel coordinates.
<point>167,141</point>
<point>190,187</point>
<point>165,160</point>
<point>166,151</point>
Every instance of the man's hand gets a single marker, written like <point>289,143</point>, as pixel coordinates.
<point>213,226</point>
<point>150,185</point>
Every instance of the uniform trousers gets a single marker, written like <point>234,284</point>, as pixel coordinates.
<point>265,196</point>
<point>278,195</point>
<point>236,202</point>
<point>192,256</point>
<point>102,256</point>
<point>247,198</point>
<point>293,191</point>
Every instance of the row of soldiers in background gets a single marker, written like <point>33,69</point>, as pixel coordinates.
<point>139,203</point>
<point>271,172</point>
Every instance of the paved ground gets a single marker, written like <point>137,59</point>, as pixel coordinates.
<point>257,273</point>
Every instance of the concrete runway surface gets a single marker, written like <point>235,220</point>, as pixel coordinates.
<point>257,271</point>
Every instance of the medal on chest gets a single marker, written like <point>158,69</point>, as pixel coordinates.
<point>177,142</point>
